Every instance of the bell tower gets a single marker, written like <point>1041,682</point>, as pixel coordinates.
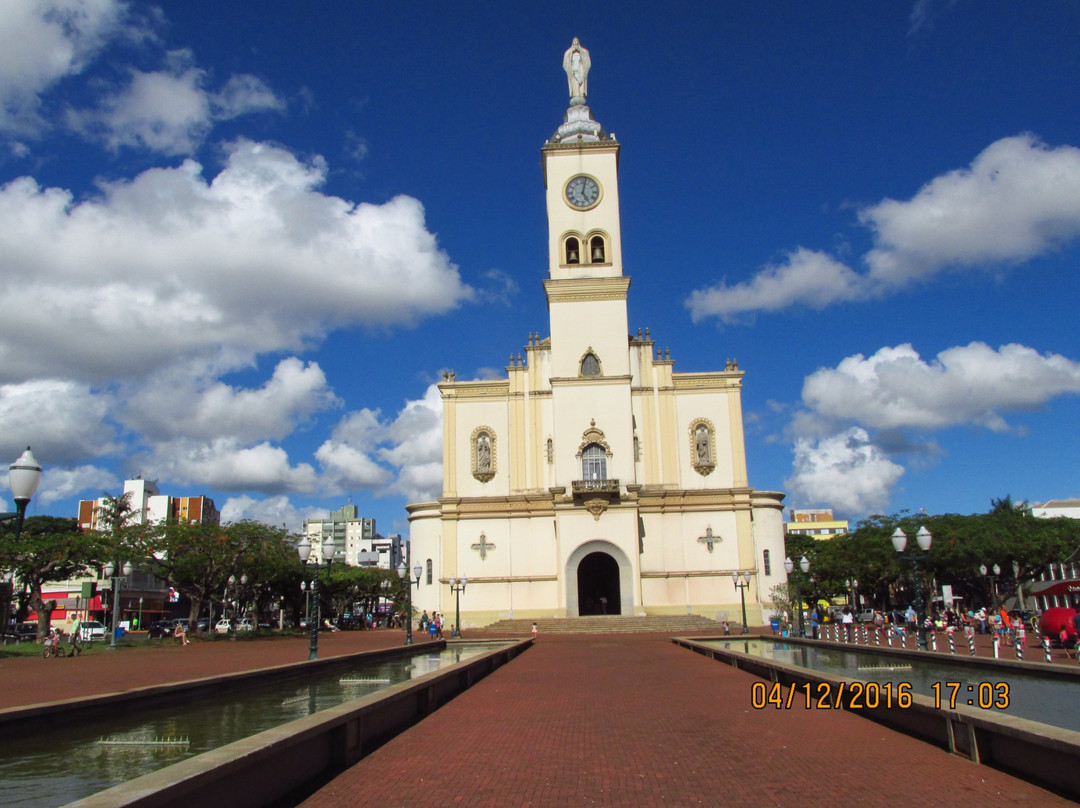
<point>586,289</point>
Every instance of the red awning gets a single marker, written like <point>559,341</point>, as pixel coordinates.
<point>1045,589</point>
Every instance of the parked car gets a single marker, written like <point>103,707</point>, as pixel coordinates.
<point>865,616</point>
<point>223,626</point>
<point>161,628</point>
<point>245,625</point>
<point>203,624</point>
<point>91,630</point>
<point>26,632</point>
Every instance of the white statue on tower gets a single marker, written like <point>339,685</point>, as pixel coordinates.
<point>576,64</point>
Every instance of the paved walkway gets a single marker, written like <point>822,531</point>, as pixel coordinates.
<point>614,720</point>
<point>633,720</point>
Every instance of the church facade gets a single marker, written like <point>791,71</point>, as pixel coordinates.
<point>595,478</point>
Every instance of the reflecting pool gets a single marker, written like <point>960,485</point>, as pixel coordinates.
<point>61,765</point>
<point>1038,697</point>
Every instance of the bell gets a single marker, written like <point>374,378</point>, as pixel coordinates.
<point>572,257</point>
<point>598,253</point>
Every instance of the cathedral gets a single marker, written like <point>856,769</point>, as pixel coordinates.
<point>595,479</point>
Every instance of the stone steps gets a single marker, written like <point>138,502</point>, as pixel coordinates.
<point>606,624</point>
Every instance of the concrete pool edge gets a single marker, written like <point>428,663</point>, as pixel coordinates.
<point>1041,754</point>
<point>35,718</point>
<point>266,767</point>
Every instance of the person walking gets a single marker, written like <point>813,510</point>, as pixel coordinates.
<point>76,628</point>
<point>534,631</point>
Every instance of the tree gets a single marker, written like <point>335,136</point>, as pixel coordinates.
<point>198,560</point>
<point>51,549</point>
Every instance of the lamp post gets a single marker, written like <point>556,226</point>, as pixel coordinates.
<point>305,587</point>
<point>117,580</point>
<point>403,573</point>
<point>304,550</point>
<point>789,568</point>
<point>23,478</point>
<point>899,540</point>
<point>741,583</point>
<point>853,593</point>
<point>457,586</point>
<point>993,581</point>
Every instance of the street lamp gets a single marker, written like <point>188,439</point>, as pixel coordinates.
<point>899,540</point>
<point>304,550</point>
<point>403,573</point>
<point>789,568</point>
<point>457,586</point>
<point>993,581</point>
<point>23,478</point>
<point>116,582</point>
<point>741,583</point>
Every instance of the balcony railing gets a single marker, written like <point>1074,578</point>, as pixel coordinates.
<point>596,486</point>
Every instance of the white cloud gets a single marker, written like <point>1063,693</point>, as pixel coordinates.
<point>275,511</point>
<point>64,421</point>
<point>42,42</point>
<point>970,384</point>
<point>806,278</point>
<point>845,471</point>
<point>171,111</point>
<point>227,465</point>
<point>181,403</point>
<point>169,266</point>
<point>57,483</point>
<point>1017,200</point>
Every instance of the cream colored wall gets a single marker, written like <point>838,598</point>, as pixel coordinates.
<point>576,403</point>
<point>577,326</point>
<point>601,164</point>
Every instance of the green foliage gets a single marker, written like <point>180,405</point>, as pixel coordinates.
<point>1008,535</point>
<point>49,549</point>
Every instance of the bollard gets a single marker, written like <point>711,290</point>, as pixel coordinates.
<point>1019,650</point>
<point>888,638</point>
<point>933,641</point>
<point>1046,649</point>
<point>971,643</point>
<point>903,640</point>
<point>952,645</point>
<point>997,647</point>
<point>877,636</point>
<point>865,637</point>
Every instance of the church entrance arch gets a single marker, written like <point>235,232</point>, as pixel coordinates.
<point>599,580</point>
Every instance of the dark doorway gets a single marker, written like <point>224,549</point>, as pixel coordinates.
<point>598,585</point>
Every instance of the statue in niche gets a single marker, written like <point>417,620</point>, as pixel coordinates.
<point>701,444</point>
<point>483,452</point>
<point>576,64</point>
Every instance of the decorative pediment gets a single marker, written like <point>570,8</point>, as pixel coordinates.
<point>590,436</point>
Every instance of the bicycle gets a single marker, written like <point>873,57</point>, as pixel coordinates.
<point>54,647</point>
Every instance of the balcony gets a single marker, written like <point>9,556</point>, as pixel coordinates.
<point>595,487</point>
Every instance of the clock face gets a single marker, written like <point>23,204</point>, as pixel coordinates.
<point>582,192</point>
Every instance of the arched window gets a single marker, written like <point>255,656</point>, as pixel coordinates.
<point>429,577</point>
<point>573,251</point>
<point>590,365</point>
<point>596,250</point>
<point>594,463</point>
<point>765,562</point>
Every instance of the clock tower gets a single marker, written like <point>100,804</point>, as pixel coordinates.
<point>594,479</point>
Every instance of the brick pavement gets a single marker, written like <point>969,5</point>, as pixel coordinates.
<point>632,720</point>
<point>579,720</point>
<point>31,680</point>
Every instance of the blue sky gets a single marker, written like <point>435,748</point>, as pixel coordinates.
<point>240,242</point>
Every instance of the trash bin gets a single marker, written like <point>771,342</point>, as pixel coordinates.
<point>774,625</point>
<point>119,632</point>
